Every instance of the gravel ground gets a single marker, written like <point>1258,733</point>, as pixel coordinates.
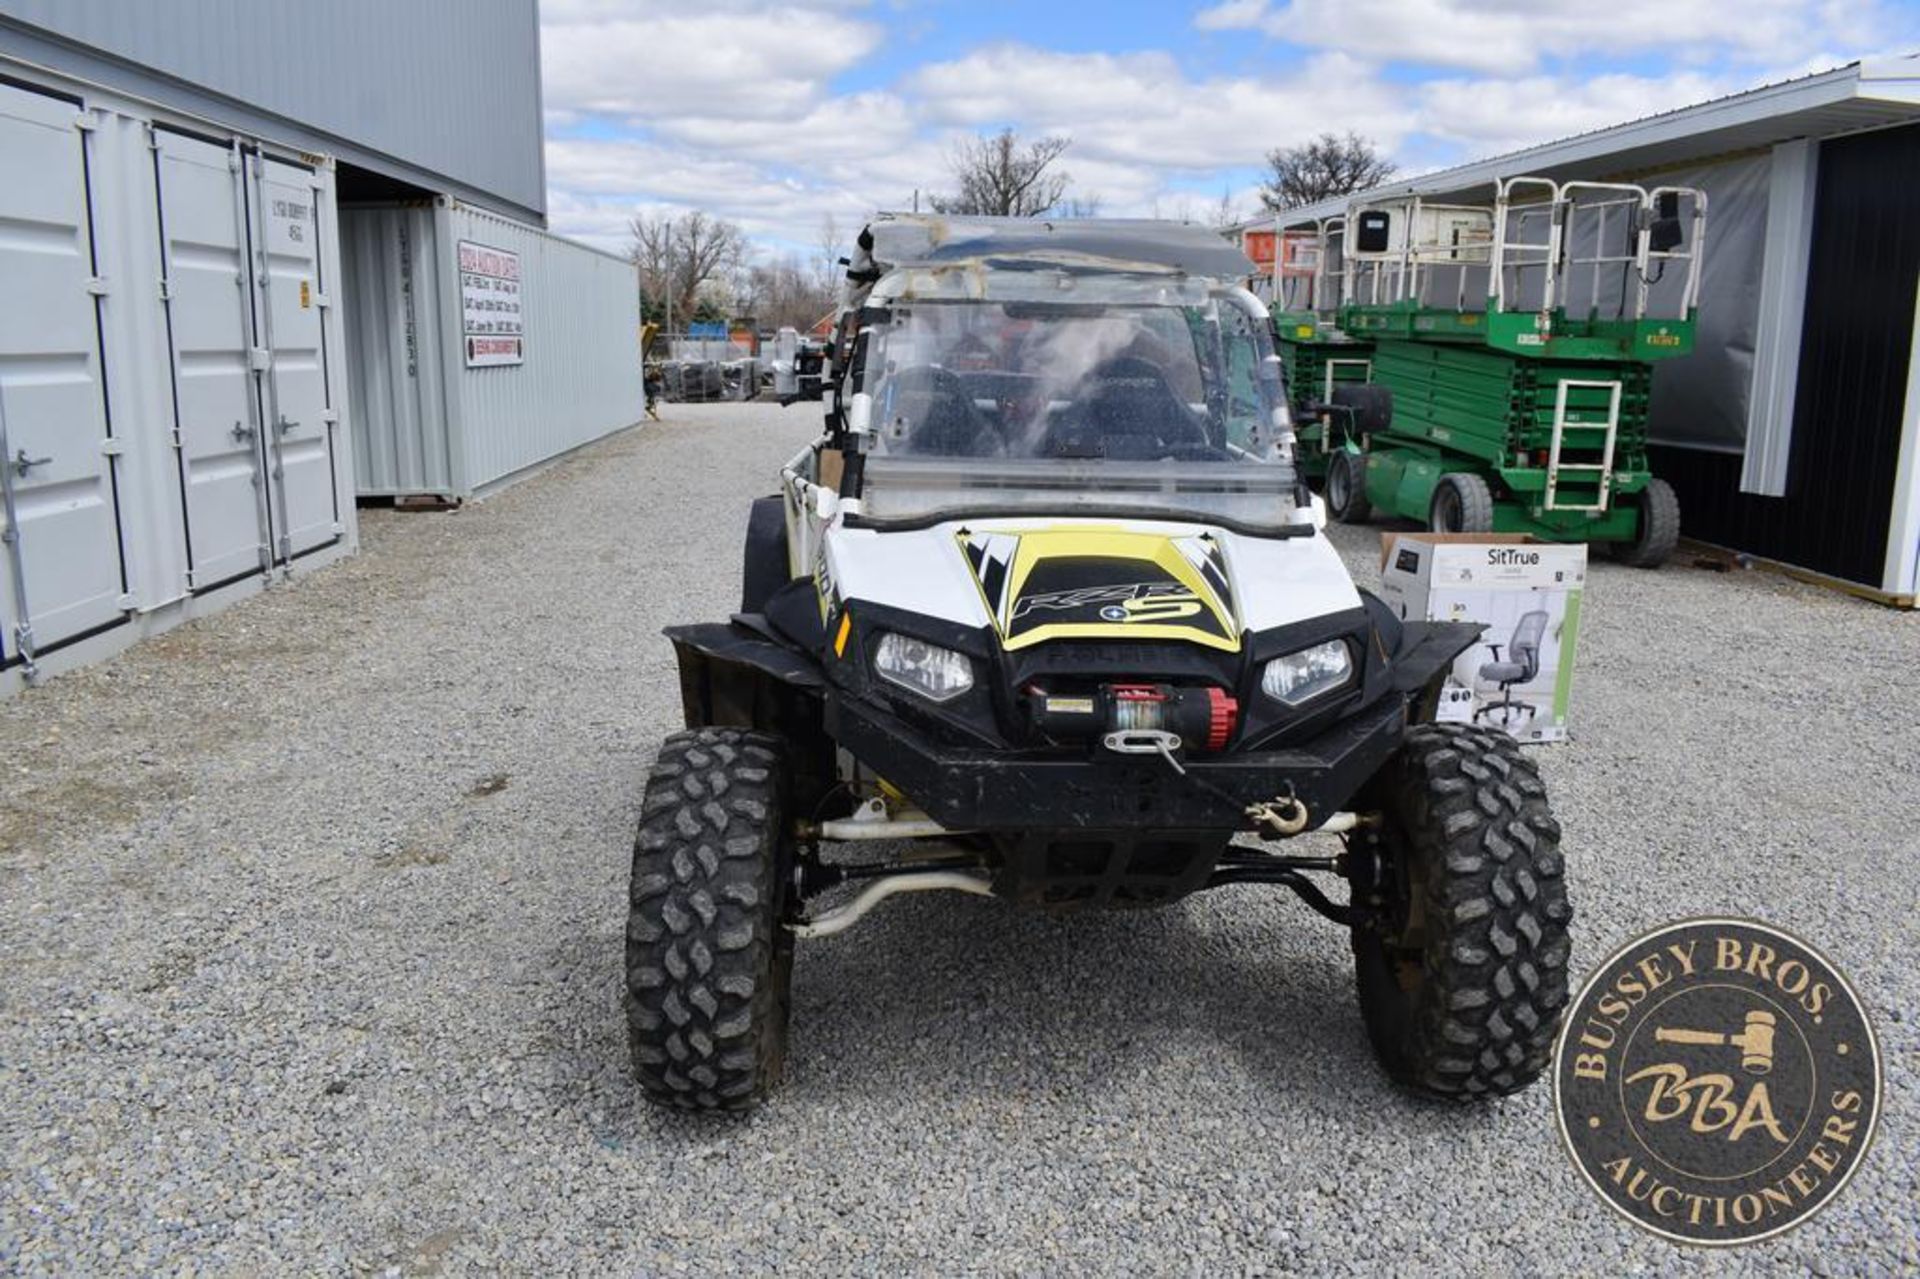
<point>310,917</point>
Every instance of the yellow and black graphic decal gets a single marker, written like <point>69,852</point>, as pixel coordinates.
<point>1098,582</point>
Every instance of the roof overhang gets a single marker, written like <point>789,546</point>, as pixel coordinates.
<point>1862,95</point>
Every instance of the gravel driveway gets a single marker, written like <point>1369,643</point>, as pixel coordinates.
<point>310,921</point>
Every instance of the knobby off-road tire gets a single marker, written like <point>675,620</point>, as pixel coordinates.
<point>709,959</point>
<point>1347,488</point>
<point>1659,530</point>
<point>1463,988</point>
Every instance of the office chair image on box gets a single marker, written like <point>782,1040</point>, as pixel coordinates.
<point>1521,665</point>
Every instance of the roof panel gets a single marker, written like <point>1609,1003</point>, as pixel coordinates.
<point>911,238</point>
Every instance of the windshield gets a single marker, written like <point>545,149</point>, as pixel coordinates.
<point>979,404</point>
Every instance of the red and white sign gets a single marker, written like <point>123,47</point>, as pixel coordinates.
<point>1258,245</point>
<point>490,305</point>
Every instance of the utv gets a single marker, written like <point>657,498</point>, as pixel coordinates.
<point>1046,614</point>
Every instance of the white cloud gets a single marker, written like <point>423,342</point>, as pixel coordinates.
<point>597,184</point>
<point>1489,117</point>
<point>733,106</point>
<point>851,124</point>
<point>746,63</point>
<point>1512,37</point>
<point>1142,109</point>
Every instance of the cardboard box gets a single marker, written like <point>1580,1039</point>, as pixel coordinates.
<point>1527,594</point>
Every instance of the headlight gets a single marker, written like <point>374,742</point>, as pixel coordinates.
<point>937,674</point>
<point>1297,677</point>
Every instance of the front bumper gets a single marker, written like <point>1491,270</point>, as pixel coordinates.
<point>1014,790</point>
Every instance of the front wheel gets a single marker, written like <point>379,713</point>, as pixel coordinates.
<point>1657,532</point>
<point>1462,503</point>
<point>709,956</point>
<point>1462,968</point>
<point>1347,488</point>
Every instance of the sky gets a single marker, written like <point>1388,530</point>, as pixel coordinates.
<point>780,115</point>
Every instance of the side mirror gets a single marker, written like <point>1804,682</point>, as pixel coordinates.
<point>1664,233</point>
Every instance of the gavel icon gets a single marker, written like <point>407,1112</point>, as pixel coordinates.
<point>1755,1042</point>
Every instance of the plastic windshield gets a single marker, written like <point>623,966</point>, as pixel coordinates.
<point>1154,395</point>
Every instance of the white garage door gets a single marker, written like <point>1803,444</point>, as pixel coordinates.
<point>288,289</point>
<point>252,390</point>
<point>64,573</point>
<point>216,410</point>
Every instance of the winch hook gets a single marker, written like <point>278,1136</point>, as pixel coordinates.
<point>1284,816</point>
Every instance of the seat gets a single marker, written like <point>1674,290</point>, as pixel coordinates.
<point>1521,664</point>
<point>1126,409</point>
<point>938,416</point>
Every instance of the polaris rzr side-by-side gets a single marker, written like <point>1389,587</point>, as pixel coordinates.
<point>1047,614</point>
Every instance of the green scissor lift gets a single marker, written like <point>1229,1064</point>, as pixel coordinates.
<point>1530,415</point>
<point>1319,360</point>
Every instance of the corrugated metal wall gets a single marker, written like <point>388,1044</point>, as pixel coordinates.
<point>1856,342</point>
<point>426,423</point>
<point>449,87</point>
<point>581,378</point>
<point>395,338</point>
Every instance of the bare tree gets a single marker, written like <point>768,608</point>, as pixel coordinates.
<point>651,250</point>
<point>1225,216</point>
<point>784,291</point>
<point>829,249</point>
<point>679,256</point>
<point>999,176</point>
<point>1328,165</point>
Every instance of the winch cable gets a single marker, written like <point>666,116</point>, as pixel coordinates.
<point>1262,814</point>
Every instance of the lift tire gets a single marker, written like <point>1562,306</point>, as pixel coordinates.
<point>1463,978</point>
<point>709,956</point>
<point>1462,503</point>
<point>763,562</point>
<point>1369,408</point>
<point>1658,531</point>
<point>1347,488</point>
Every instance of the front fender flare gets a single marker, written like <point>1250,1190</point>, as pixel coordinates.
<point>730,674</point>
<point>1427,650</point>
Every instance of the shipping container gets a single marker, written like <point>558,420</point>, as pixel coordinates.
<point>480,347</point>
<point>170,396</point>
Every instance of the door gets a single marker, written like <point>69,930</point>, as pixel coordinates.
<point>287,306</point>
<point>216,411</point>
<point>63,570</point>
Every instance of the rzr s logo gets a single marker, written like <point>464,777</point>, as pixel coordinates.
<point>1125,603</point>
<point>1162,608</point>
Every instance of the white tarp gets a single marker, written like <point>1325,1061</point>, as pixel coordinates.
<point>1702,400</point>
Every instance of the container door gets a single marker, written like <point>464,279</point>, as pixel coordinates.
<point>217,415</point>
<point>61,570</point>
<point>287,293</point>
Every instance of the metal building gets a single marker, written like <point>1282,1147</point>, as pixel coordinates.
<point>1792,432</point>
<point>458,426</point>
<point>194,201</point>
